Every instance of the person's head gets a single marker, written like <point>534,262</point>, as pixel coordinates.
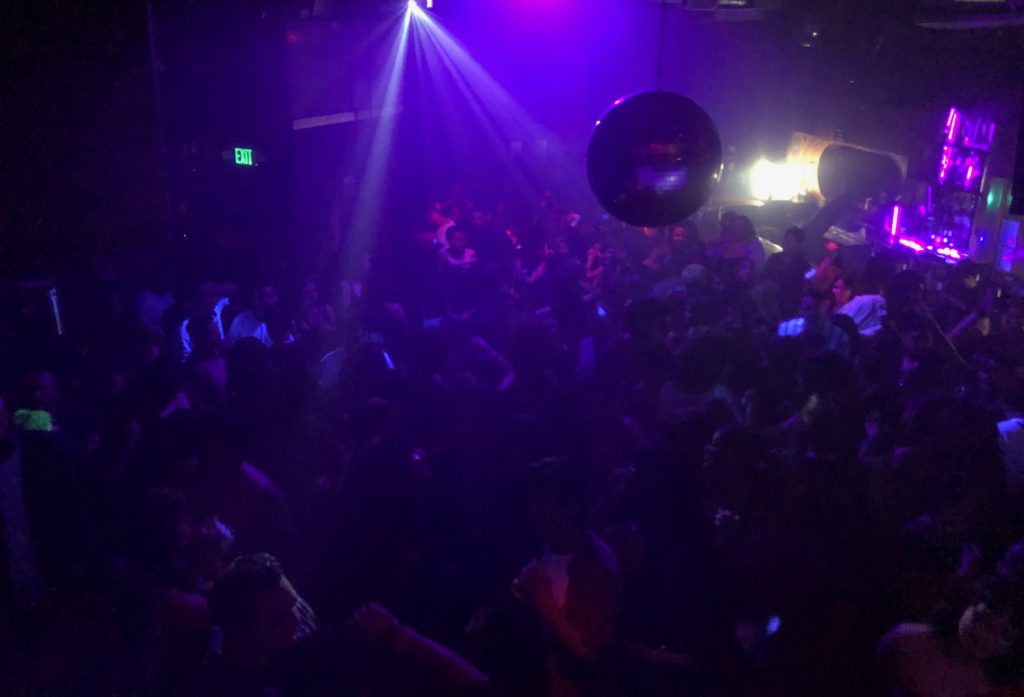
<point>457,239</point>
<point>842,290</point>
<point>454,213</point>
<point>42,391</point>
<point>743,229</point>
<point>311,292</point>
<point>793,240</point>
<point>559,500</point>
<point>255,606</point>
<point>678,234</point>
<point>915,334</point>
<point>1012,319</point>
<point>726,223</point>
<point>435,216</point>
<point>266,297</point>
<point>811,307</point>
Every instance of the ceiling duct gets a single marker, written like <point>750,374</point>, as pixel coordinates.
<point>729,10</point>
<point>970,14</point>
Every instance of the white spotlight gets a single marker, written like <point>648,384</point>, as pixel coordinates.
<point>777,181</point>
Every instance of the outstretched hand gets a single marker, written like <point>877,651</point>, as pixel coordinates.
<point>374,625</point>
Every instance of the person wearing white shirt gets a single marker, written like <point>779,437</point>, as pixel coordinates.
<point>253,323</point>
<point>866,311</point>
<point>458,255</point>
<point>813,321</point>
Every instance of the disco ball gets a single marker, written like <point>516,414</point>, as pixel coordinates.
<point>654,159</point>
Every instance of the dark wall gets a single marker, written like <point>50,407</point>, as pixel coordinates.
<point>81,162</point>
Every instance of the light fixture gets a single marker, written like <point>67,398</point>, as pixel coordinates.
<point>779,181</point>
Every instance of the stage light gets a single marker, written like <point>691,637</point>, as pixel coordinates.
<point>366,218</point>
<point>777,181</point>
<point>461,87</point>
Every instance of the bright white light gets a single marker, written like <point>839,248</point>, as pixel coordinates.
<point>430,4</point>
<point>780,181</point>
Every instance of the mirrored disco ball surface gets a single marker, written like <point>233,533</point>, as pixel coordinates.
<point>654,159</point>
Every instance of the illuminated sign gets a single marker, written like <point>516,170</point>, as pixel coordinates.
<point>243,157</point>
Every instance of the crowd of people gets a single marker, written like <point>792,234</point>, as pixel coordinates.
<point>531,452</point>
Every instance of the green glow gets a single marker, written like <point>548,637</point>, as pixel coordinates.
<point>243,156</point>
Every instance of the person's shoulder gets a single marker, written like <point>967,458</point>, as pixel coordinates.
<point>597,552</point>
<point>259,480</point>
<point>864,301</point>
<point>904,638</point>
<point>243,319</point>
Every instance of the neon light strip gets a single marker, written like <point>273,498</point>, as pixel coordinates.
<point>911,244</point>
<point>949,252</point>
<point>947,161</point>
<point>895,223</point>
<point>951,136</point>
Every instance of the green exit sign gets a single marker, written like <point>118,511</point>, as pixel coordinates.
<point>243,157</point>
